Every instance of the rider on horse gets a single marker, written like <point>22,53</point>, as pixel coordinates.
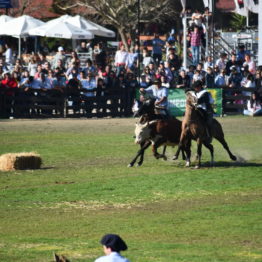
<point>204,105</point>
<point>159,93</point>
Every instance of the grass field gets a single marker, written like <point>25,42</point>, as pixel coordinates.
<point>164,211</point>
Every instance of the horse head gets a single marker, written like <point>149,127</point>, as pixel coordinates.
<point>145,107</point>
<point>191,99</point>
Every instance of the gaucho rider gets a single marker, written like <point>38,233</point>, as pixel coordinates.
<point>204,105</point>
<point>160,94</point>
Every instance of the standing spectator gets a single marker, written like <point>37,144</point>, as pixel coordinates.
<point>59,56</point>
<point>241,54</point>
<point>147,59</point>
<point>112,245</point>
<point>100,56</point>
<point>195,42</point>
<point>208,63</point>
<point>32,66</point>
<point>157,44</point>
<point>250,64</point>
<point>3,64</point>
<point>8,55</point>
<point>121,57</point>
<point>82,48</point>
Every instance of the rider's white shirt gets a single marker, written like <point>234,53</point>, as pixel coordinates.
<point>200,94</point>
<point>158,93</point>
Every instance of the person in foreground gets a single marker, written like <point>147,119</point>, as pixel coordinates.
<point>254,106</point>
<point>113,245</point>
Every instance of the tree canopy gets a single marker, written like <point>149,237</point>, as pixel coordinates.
<point>124,14</point>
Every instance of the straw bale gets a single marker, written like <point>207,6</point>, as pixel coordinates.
<point>20,161</point>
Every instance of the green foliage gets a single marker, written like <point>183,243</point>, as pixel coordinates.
<point>164,211</point>
<point>237,22</point>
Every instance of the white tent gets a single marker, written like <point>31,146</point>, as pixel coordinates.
<point>61,29</point>
<point>4,19</point>
<point>19,27</point>
<point>83,24</point>
<point>90,26</point>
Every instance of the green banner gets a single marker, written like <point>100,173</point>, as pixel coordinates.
<point>177,101</point>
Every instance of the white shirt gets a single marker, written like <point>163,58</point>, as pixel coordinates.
<point>8,56</point>
<point>113,257</point>
<point>121,57</point>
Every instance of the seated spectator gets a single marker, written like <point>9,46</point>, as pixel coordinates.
<point>88,83</point>
<point>221,80</point>
<point>221,62</point>
<point>210,78</point>
<point>250,83</point>
<point>89,68</point>
<point>234,80</point>
<point>112,245</point>
<point>254,106</point>
<point>183,81</point>
<point>42,58</point>
<point>46,67</point>
<point>233,62</point>
<point>73,69</point>
<point>258,79</point>
<point>143,83</point>
<point>174,62</point>
<point>197,77</point>
<point>24,79</point>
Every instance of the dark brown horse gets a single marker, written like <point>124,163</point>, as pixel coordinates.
<point>194,128</point>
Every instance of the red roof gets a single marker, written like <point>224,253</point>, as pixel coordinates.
<point>226,5</point>
<point>41,9</point>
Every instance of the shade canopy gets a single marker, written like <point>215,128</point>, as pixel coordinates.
<point>20,26</point>
<point>83,24</point>
<point>4,19</point>
<point>61,29</point>
<point>96,29</point>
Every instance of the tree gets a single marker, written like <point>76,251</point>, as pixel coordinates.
<point>123,14</point>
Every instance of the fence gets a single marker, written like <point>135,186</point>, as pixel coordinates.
<point>39,104</point>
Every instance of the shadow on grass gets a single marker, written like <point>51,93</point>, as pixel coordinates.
<point>231,164</point>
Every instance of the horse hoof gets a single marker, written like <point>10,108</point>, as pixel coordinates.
<point>139,164</point>
<point>197,167</point>
<point>187,164</point>
<point>129,165</point>
<point>175,157</point>
<point>234,158</point>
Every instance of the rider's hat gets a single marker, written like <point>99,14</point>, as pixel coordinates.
<point>197,84</point>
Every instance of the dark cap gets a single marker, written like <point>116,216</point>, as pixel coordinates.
<point>197,84</point>
<point>115,242</point>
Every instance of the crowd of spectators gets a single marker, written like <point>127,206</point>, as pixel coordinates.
<point>138,67</point>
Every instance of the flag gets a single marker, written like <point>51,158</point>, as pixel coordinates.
<point>252,6</point>
<point>241,7</point>
<point>183,3</point>
<point>209,4</point>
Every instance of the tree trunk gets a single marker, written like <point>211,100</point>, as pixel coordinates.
<point>123,37</point>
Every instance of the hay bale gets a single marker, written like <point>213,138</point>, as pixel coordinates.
<point>20,161</point>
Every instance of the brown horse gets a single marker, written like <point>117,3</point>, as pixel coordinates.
<point>60,258</point>
<point>194,128</point>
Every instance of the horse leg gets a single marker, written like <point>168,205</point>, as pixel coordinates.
<point>218,134</point>
<point>140,153</point>
<point>155,146</point>
<point>199,153</point>
<point>164,153</point>
<point>187,149</point>
<point>211,149</point>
